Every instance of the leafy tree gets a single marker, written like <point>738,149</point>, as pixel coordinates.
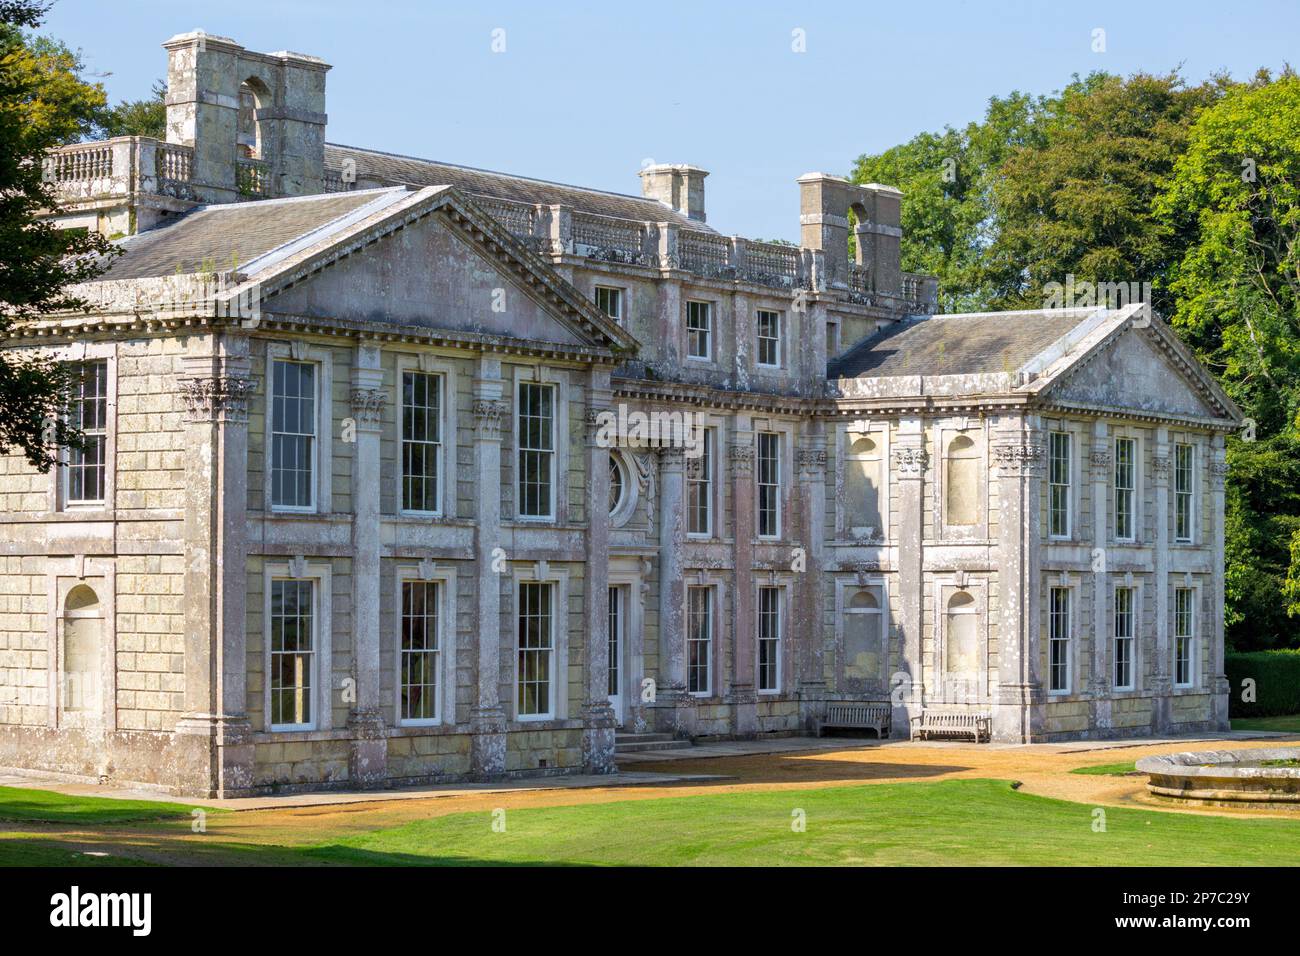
<point>1237,289</point>
<point>44,103</point>
<point>146,117</point>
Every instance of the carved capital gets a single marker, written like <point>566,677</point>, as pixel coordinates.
<point>810,460</point>
<point>910,462</point>
<point>1018,458</point>
<point>1160,467</point>
<point>742,459</point>
<point>488,414</point>
<point>1218,474</point>
<point>1101,457</point>
<point>216,398</point>
<point>368,406</point>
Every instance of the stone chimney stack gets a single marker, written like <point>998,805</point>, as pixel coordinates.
<point>824,204</point>
<point>256,121</point>
<point>678,187</point>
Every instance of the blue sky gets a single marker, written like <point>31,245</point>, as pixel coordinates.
<point>587,92</point>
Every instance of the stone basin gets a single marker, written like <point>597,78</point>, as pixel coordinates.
<point>1226,778</point>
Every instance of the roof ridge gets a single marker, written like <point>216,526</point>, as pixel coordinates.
<point>495,172</point>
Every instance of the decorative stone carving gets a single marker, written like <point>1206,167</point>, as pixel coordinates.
<point>1101,457</point>
<point>810,460</point>
<point>1218,474</point>
<point>222,398</point>
<point>1160,467</point>
<point>368,405</point>
<point>1018,458</point>
<point>742,459</point>
<point>910,462</point>
<point>487,417</point>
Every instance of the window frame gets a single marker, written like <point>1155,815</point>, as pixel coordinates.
<point>618,296</point>
<point>558,581</point>
<point>445,579</point>
<point>323,459</point>
<point>710,617</point>
<point>1133,489</point>
<point>1066,643</point>
<point>707,486</point>
<point>1189,495</point>
<point>709,330</point>
<point>83,504</point>
<point>445,375</point>
<point>779,596</point>
<point>552,512</point>
<point>1191,637</point>
<point>777,437</point>
<point>777,339</point>
<point>1067,486</point>
<point>78,354</point>
<point>322,662</point>
<point>1134,612</point>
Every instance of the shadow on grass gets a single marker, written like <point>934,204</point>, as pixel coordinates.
<point>46,806</point>
<point>794,768</point>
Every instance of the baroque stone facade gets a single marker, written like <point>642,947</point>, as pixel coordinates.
<point>351,514</point>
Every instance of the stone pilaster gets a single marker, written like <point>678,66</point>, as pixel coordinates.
<point>808,636</point>
<point>597,715</point>
<point>1162,706</point>
<point>671,698</point>
<point>910,463</point>
<point>213,737</point>
<point>487,715</point>
<point>1218,683</point>
<point>368,750</point>
<point>1019,714</point>
<point>741,694</point>
<point>1099,682</point>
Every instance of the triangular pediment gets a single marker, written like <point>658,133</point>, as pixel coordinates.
<point>1142,369</point>
<point>436,263</point>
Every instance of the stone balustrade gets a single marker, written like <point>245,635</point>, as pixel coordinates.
<point>120,167</point>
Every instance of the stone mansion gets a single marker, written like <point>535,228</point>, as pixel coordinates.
<point>348,512</point>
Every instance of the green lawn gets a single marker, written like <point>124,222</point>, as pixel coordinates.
<point>948,823</point>
<point>44,806</point>
<point>1108,769</point>
<point>944,823</point>
<point>1289,723</point>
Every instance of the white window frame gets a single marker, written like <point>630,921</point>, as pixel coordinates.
<point>445,578</point>
<point>1189,495</point>
<point>322,479</point>
<point>426,365</point>
<point>1135,511</point>
<point>77,354</point>
<point>553,491</point>
<point>557,692</point>
<point>1135,628</point>
<point>1068,641</point>
<point>1192,637</point>
<point>322,661</point>
<point>1052,436</point>
<point>618,297</point>
<point>710,330</point>
<point>777,340</point>
<point>709,486</point>
<point>780,437</point>
<point>712,617</point>
<point>782,616</point>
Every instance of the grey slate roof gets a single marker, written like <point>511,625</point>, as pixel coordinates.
<point>962,344</point>
<point>388,168</point>
<point>226,236</point>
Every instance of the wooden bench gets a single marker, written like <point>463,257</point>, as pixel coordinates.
<point>950,723</point>
<point>857,716</point>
